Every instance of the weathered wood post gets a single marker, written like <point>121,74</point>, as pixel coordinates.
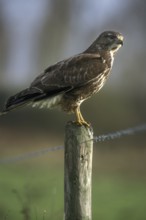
<point>78,172</point>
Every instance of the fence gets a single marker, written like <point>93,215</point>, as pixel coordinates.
<point>78,166</point>
<point>101,138</point>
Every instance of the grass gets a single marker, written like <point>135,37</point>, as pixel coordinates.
<point>28,193</point>
<point>35,191</point>
<point>119,199</point>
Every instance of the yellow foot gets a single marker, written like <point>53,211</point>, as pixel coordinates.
<point>80,123</point>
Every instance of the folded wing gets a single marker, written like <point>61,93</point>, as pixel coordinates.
<point>60,78</point>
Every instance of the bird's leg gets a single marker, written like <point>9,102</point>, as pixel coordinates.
<point>83,120</point>
<point>79,118</point>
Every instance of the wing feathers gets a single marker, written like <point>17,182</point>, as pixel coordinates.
<point>73,72</point>
<point>22,98</point>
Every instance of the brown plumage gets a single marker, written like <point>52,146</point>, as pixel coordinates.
<point>69,82</point>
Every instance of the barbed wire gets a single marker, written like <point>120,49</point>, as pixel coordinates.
<point>30,155</point>
<point>121,133</point>
<point>100,138</point>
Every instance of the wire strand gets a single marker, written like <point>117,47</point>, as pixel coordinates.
<point>30,155</point>
<point>100,138</point>
<point>121,133</point>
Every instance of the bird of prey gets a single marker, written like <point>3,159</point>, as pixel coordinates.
<point>68,83</point>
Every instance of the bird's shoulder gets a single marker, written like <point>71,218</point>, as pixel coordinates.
<point>75,60</point>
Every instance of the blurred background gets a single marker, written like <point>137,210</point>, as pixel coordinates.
<point>35,34</point>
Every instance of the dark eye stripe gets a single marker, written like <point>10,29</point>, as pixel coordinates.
<point>112,36</point>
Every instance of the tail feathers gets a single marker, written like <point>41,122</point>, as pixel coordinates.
<point>21,98</point>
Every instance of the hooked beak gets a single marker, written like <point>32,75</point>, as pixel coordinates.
<point>120,42</point>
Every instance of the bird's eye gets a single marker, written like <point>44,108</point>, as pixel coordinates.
<point>112,37</point>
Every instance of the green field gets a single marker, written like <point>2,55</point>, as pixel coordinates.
<point>33,189</point>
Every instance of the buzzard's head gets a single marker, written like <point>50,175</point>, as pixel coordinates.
<point>109,40</point>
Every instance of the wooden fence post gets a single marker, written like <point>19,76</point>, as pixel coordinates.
<point>78,172</point>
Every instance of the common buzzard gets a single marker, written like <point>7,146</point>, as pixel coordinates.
<point>71,81</point>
